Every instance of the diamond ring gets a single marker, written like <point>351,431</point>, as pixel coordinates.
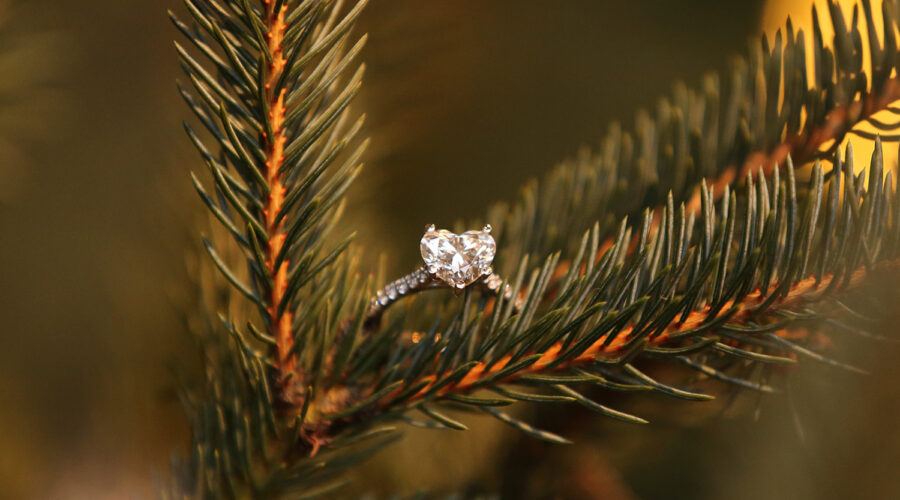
<point>454,261</point>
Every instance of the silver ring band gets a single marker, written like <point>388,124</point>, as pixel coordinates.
<point>421,280</point>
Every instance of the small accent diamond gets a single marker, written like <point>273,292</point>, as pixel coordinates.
<point>493,282</point>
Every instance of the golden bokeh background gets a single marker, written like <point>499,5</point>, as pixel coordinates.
<point>465,100</point>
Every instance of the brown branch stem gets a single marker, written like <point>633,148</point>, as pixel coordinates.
<point>804,291</point>
<point>279,324</point>
<point>802,147</point>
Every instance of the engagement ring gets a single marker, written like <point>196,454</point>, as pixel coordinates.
<point>454,261</point>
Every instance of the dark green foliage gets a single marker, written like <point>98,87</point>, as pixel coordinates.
<point>734,123</point>
<point>242,67</point>
<point>708,279</point>
<point>234,107</point>
<point>690,289</point>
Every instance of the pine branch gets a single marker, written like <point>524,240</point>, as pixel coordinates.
<point>277,112</point>
<point>621,172</point>
<point>602,350</point>
<point>841,92</point>
<point>710,293</point>
<point>299,388</point>
<point>770,107</point>
<point>271,85</point>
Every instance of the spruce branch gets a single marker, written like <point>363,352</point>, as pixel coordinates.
<point>719,294</point>
<point>271,84</point>
<point>717,278</point>
<point>768,106</point>
<point>607,183</point>
<point>276,109</point>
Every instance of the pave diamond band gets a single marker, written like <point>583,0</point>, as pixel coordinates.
<point>452,261</point>
<point>421,280</point>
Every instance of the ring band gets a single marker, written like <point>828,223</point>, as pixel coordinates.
<point>451,261</point>
<point>420,280</point>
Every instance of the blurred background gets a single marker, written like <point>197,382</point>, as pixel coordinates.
<point>466,101</point>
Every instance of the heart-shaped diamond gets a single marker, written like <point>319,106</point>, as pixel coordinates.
<point>458,259</point>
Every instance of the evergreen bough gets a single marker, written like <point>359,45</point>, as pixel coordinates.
<point>734,251</point>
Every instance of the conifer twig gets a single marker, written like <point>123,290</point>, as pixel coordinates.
<point>717,279</point>
<point>732,288</point>
<point>807,290</point>
<point>280,323</point>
